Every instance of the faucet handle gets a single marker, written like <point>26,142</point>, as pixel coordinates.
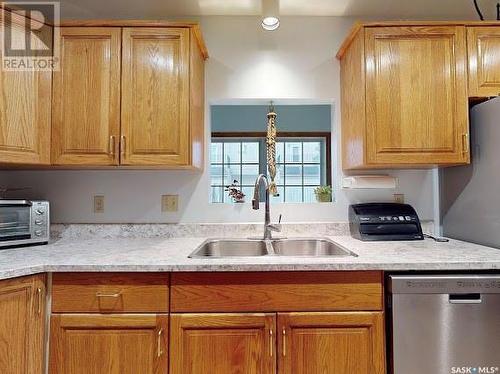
<point>279,219</point>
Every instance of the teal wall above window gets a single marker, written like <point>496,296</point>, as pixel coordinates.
<point>252,118</point>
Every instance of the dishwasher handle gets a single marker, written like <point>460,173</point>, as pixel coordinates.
<point>465,298</point>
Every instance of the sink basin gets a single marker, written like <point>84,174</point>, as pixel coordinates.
<point>220,248</point>
<point>300,247</point>
<point>309,248</point>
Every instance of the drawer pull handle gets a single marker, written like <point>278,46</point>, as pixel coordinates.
<point>114,295</point>
<point>271,342</point>
<point>284,342</point>
<point>160,352</point>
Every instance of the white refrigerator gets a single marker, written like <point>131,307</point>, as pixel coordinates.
<point>470,195</point>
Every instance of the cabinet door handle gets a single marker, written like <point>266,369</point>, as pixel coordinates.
<point>283,332</point>
<point>271,342</point>
<point>159,350</point>
<point>40,300</point>
<point>465,143</point>
<point>114,295</point>
<point>122,145</point>
<point>112,146</point>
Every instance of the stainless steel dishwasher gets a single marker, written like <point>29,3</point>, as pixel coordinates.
<point>444,324</point>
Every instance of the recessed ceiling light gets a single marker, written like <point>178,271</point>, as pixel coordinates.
<point>270,23</point>
<point>270,14</point>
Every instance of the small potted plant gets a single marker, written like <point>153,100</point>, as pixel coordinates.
<point>235,192</point>
<point>323,194</point>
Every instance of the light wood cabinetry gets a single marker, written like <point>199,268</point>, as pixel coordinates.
<point>24,107</point>
<point>331,343</point>
<point>109,323</point>
<point>346,336</point>
<point>223,343</point>
<point>131,96</point>
<point>155,96</point>
<point>22,325</point>
<point>86,97</point>
<point>404,97</point>
<point>108,344</point>
<point>483,43</point>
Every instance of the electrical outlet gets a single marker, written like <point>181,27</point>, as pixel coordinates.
<point>98,204</point>
<point>399,198</point>
<point>169,203</point>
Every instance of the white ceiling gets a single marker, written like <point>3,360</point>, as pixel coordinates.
<point>380,9</point>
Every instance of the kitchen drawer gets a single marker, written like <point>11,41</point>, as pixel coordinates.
<point>110,292</point>
<point>276,291</point>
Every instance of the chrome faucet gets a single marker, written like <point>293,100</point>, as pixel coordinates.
<point>268,227</point>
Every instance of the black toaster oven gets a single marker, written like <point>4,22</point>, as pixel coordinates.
<point>384,221</point>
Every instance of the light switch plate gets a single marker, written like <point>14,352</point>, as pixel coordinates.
<point>169,203</point>
<point>399,198</point>
<point>99,204</point>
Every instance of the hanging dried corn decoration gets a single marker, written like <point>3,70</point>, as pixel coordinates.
<point>271,150</point>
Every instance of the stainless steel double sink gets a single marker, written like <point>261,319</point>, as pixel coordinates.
<point>300,247</point>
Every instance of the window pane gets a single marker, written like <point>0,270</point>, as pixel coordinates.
<point>293,194</point>
<point>216,153</point>
<point>293,174</point>
<point>216,175</point>
<point>312,152</point>
<point>280,198</point>
<point>280,155</point>
<point>312,174</point>
<point>232,153</point>
<point>250,152</point>
<point>293,152</point>
<point>309,196</point>
<point>249,174</point>
<point>216,194</point>
<point>231,173</point>
<point>248,191</point>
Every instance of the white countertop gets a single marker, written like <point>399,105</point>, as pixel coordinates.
<point>171,255</point>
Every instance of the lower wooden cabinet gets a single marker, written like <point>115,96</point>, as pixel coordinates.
<point>22,325</point>
<point>331,343</point>
<point>284,343</point>
<point>223,343</point>
<point>109,344</point>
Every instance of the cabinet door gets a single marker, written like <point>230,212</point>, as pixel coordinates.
<point>108,344</point>
<point>155,97</point>
<point>416,98</point>
<point>86,103</point>
<point>331,343</point>
<point>484,61</point>
<point>222,343</point>
<point>22,325</point>
<point>24,108</point>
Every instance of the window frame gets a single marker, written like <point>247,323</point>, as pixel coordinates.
<point>300,136</point>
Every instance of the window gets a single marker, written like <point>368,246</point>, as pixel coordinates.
<point>303,163</point>
<point>233,159</point>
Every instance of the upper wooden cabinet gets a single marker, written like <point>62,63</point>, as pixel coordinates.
<point>24,108</point>
<point>154,74</point>
<point>484,60</point>
<point>22,325</point>
<point>155,100</point>
<point>404,97</point>
<point>86,97</point>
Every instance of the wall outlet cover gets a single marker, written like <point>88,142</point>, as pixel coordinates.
<point>169,203</point>
<point>399,198</point>
<point>99,204</point>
